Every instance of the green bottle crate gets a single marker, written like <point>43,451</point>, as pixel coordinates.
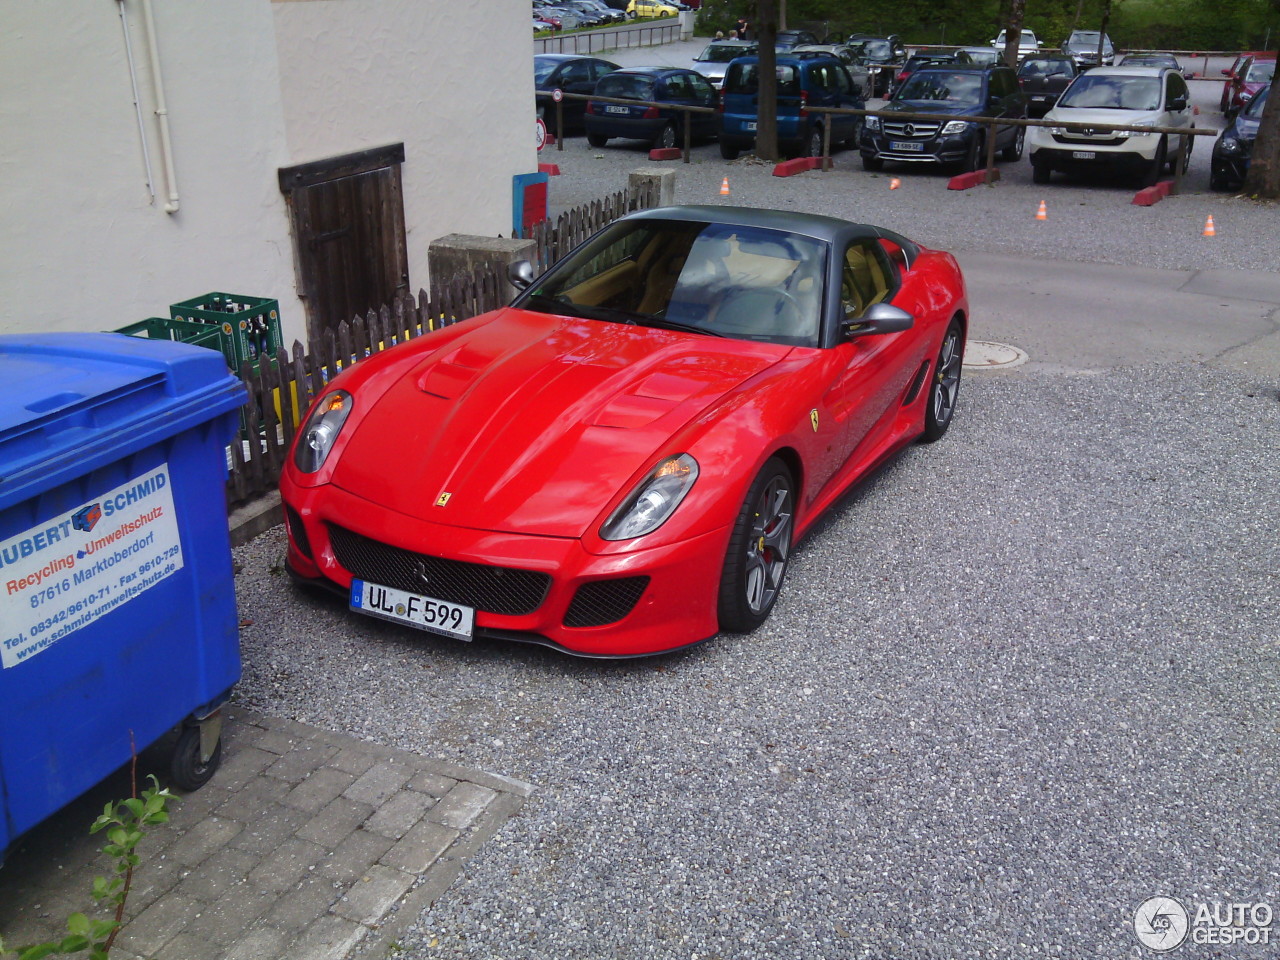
<point>249,326</point>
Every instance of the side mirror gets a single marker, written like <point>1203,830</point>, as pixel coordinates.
<point>878,318</point>
<point>520,274</point>
<point>1178,103</point>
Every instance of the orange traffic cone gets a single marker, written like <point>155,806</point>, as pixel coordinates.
<point>895,183</point>
<point>1208,228</point>
<point>724,187</point>
<point>1043,212</point>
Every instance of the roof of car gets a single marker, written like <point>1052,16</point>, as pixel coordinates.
<point>1132,70</point>
<point>565,57</point>
<point>651,71</point>
<point>829,229</point>
<point>734,43</point>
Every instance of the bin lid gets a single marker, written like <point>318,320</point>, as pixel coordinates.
<point>78,401</point>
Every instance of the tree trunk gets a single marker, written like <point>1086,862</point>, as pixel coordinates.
<point>767,111</point>
<point>1013,31</point>
<point>1102,30</point>
<point>1263,180</point>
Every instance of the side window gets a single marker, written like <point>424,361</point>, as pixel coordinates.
<point>599,68</point>
<point>575,73</point>
<point>1177,88</point>
<point>843,82</point>
<point>864,279</point>
<point>702,90</point>
<point>678,88</point>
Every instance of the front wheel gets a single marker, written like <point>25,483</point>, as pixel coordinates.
<point>872,164</point>
<point>1040,172</point>
<point>1152,175</point>
<point>759,549</point>
<point>975,158</point>
<point>944,387</point>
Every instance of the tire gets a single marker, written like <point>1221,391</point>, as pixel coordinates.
<point>812,146</point>
<point>597,139</point>
<point>944,384</point>
<point>665,138</point>
<point>976,156</point>
<point>759,550</point>
<point>872,164</point>
<point>728,151</point>
<point>1188,143</point>
<point>1219,181</point>
<point>1040,172</point>
<point>1013,152</point>
<point>186,772</point>
<point>1152,175</point>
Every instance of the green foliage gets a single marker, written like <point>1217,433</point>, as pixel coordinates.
<point>124,821</point>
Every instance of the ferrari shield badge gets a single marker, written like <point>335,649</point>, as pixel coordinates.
<point>813,418</point>
<point>443,499</point>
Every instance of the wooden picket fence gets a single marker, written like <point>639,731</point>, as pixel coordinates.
<point>281,387</point>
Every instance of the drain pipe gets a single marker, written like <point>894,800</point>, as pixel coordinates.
<point>162,111</point>
<point>137,101</point>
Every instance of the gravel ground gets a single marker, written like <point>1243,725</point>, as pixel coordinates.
<point>1016,684</point>
<point>1088,220</point>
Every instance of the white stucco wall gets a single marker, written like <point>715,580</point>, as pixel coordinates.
<point>84,246</point>
<point>251,86</point>
<point>453,81</point>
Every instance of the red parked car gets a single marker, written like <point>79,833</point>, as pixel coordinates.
<point>1250,73</point>
<point>621,462</point>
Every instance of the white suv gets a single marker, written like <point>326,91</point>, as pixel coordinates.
<point>1127,96</point>
<point>1027,43</point>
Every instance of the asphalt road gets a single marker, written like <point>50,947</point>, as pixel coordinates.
<point>1017,683</point>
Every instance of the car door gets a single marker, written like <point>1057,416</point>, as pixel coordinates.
<point>845,126</point>
<point>704,95</point>
<point>574,77</point>
<point>1177,106</point>
<point>866,393</point>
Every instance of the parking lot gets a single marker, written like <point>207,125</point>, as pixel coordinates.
<point>1016,684</point>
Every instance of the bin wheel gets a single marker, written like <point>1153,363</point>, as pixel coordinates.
<point>186,771</point>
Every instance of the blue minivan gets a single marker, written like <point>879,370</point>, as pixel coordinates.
<point>803,82</point>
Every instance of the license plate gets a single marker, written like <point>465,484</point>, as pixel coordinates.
<point>1039,99</point>
<point>1083,155</point>
<point>750,125</point>
<point>906,146</point>
<point>614,108</point>
<point>413,609</point>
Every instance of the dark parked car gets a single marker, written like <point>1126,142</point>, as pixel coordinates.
<point>1152,60</point>
<point>1231,152</point>
<point>1082,47</point>
<point>714,59</point>
<point>572,74</point>
<point>918,60</point>
<point>948,91</point>
<point>803,82</point>
<point>793,38</point>
<point>846,54</point>
<point>659,126</point>
<point>883,56</point>
<point>1043,79</point>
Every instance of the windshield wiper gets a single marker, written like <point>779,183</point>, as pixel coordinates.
<point>677,325</point>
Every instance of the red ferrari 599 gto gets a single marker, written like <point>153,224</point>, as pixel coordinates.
<point>620,462</point>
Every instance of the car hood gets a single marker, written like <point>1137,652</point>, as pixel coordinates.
<point>1103,115</point>
<point>534,423</point>
<point>940,107</point>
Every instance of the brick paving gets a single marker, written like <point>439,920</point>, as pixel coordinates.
<point>305,844</point>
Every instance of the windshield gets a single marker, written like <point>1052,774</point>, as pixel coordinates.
<point>543,68</point>
<point>1045,68</point>
<point>1261,71</point>
<point>942,85</point>
<point>876,49</point>
<point>749,283</point>
<point>1088,38</point>
<point>982,56</point>
<point>1093,92</point>
<point>625,85</point>
<point>717,53</point>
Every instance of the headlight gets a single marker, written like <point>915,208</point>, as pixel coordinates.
<point>321,430</point>
<point>1230,145</point>
<point>954,126</point>
<point>873,123</point>
<point>654,499</point>
<point>1245,97</point>
<point>1055,131</point>
<point>1141,133</point>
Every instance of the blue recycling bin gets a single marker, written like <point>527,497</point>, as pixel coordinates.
<point>118,620</point>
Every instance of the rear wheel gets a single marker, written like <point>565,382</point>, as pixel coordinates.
<point>188,770</point>
<point>597,139</point>
<point>812,146</point>
<point>728,151</point>
<point>665,138</point>
<point>1013,152</point>
<point>759,549</point>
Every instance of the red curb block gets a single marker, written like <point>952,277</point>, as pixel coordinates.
<point>1151,195</point>
<point>963,181</point>
<point>550,169</point>
<point>789,168</point>
<point>666,153</point>
<point>550,141</point>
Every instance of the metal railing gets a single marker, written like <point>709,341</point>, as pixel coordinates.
<point>610,38</point>
<point>685,109</point>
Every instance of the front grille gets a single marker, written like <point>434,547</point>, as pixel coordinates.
<point>604,601</point>
<point>919,130</point>
<point>505,590</point>
<point>1099,140</point>
<point>297,531</point>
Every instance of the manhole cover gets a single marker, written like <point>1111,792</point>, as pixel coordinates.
<point>989,355</point>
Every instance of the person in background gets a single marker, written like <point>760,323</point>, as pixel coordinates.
<point>741,28</point>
